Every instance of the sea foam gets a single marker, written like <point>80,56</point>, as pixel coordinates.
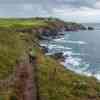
<point>76,42</point>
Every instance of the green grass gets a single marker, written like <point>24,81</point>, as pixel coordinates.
<point>57,83</point>
<point>11,48</point>
<point>21,23</point>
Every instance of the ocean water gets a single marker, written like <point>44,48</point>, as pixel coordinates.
<point>81,50</point>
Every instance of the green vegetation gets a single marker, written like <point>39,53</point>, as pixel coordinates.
<point>21,23</point>
<point>55,82</point>
<point>11,47</point>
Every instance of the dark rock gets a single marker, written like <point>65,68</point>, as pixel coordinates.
<point>58,55</point>
<point>53,28</point>
<point>90,28</point>
<point>44,49</point>
<point>75,27</point>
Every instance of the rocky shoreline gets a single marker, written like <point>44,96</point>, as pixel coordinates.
<point>54,28</point>
<point>49,34</point>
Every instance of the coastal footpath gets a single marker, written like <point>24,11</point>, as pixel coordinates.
<point>35,76</point>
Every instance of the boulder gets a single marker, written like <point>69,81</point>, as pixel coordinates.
<point>58,55</point>
<point>44,49</point>
<point>90,28</point>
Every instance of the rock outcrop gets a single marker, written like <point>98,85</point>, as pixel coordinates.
<point>90,28</point>
<point>52,28</point>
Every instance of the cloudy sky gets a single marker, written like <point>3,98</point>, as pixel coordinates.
<point>70,10</point>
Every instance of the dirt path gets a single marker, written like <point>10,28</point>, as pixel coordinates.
<point>26,86</point>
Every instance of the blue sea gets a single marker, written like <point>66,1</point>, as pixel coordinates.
<point>81,50</point>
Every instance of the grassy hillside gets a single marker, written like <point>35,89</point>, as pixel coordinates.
<point>11,48</point>
<point>55,82</point>
<point>10,24</point>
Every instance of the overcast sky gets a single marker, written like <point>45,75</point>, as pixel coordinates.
<point>70,10</point>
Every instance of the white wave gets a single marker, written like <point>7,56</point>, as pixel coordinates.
<point>43,44</point>
<point>78,70</point>
<point>60,40</point>
<point>76,42</point>
<point>51,46</point>
<point>60,47</point>
<point>78,54</point>
<point>76,65</point>
<point>72,61</point>
<point>68,53</point>
<point>86,73</point>
<point>48,54</point>
<point>97,76</point>
<point>68,48</point>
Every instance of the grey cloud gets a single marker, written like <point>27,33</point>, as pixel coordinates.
<point>79,3</point>
<point>52,3</point>
<point>22,10</point>
<point>29,8</point>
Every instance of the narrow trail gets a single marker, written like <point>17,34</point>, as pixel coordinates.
<point>26,81</point>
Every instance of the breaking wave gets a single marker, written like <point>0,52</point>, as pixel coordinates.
<point>73,60</point>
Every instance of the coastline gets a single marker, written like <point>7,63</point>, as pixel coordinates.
<point>62,57</point>
<point>50,79</point>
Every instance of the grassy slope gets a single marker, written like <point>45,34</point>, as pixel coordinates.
<point>21,23</point>
<point>55,82</point>
<point>11,48</point>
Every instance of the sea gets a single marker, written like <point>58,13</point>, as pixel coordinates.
<point>81,50</point>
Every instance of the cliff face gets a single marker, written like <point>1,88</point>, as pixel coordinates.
<point>52,28</point>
